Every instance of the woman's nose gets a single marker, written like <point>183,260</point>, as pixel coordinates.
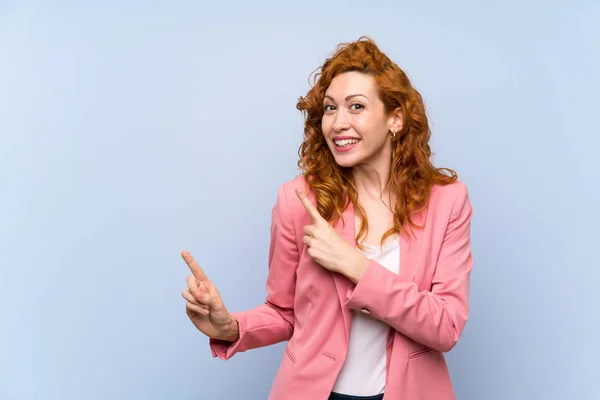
<point>341,121</point>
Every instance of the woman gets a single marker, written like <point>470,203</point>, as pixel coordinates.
<point>370,250</point>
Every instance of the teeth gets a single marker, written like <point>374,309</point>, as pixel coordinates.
<point>345,142</point>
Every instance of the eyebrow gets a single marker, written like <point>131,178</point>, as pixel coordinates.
<point>348,97</point>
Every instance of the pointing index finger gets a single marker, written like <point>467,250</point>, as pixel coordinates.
<point>310,208</point>
<point>194,267</point>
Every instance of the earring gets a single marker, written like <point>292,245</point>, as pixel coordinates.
<point>393,135</point>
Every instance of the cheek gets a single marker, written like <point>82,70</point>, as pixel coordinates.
<point>370,128</point>
<point>364,126</point>
<point>325,124</point>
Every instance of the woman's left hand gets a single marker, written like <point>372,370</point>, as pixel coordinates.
<point>327,247</point>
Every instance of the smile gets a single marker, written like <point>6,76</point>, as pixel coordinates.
<point>345,142</point>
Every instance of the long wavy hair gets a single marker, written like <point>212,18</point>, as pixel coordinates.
<point>412,175</point>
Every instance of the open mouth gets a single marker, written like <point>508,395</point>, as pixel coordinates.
<point>345,145</point>
<point>345,142</point>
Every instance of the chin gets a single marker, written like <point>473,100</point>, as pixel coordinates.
<point>346,162</point>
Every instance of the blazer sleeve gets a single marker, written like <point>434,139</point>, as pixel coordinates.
<point>434,318</point>
<point>273,321</point>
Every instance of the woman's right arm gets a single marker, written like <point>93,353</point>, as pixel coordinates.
<point>272,322</point>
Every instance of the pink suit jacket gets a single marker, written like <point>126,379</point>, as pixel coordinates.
<point>425,305</point>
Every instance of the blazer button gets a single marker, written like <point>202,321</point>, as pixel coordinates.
<point>365,310</point>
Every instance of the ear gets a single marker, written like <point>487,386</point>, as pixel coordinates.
<point>396,121</point>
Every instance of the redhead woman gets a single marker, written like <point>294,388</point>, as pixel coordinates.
<point>370,252</point>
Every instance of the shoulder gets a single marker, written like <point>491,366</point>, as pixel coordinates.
<point>451,198</point>
<point>288,200</point>
<point>448,193</point>
<point>290,186</point>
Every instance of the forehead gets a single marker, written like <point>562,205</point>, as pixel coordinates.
<point>350,83</point>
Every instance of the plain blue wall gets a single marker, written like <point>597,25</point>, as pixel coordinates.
<point>132,130</point>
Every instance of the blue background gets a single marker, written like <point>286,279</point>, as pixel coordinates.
<point>132,130</point>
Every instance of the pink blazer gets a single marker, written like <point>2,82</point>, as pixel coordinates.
<point>426,304</point>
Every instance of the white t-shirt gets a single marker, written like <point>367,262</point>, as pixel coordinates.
<point>363,373</point>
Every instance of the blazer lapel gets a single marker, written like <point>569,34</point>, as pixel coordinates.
<point>346,230</point>
<point>410,245</point>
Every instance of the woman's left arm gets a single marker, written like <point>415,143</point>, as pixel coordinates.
<point>434,318</point>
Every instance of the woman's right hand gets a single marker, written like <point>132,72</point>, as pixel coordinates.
<point>205,307</point>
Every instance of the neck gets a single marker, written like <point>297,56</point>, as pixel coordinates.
<point>371,179</point>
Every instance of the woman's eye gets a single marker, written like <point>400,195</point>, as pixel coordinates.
<point>354,107</point>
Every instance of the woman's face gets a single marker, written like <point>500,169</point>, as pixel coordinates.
<point>354,122</point>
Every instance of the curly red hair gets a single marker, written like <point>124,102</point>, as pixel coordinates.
<point>412,174</point>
